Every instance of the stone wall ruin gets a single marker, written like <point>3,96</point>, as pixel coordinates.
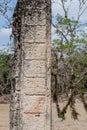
<point>30,107</point>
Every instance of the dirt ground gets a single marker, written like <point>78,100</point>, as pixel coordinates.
<point>69,123</point>
<point>4,116</point>
<point>57,124</point>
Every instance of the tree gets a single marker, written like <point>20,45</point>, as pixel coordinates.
<point>5,76</point>
<point>69,68</point>
<point>6,11</point>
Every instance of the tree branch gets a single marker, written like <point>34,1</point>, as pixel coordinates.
<point>60,32</point>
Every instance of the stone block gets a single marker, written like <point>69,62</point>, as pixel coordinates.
<point>29,34</point>
<point>33,105</point>
<point>36,5</point>
<point>40,34</point>
<point>35,51</point>
<point>34,86</point>
<point>35,18</point>
<point>34,122</point>
<point>35,34</point>
<point>34,68</point>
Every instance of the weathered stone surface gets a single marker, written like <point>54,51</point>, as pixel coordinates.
<point>35,51</point>
<point>34,68</point>
<point>33,104</point>
<point>31,93</point>
<point>34,122</point>
<point>35,34</point>
<point>40,34</point>
<point>29,34</point>
<point>35,18</point>
<point>34,86</point>
<point>36,5</point>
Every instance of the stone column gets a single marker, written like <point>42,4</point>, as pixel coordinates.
<point>34,86</point>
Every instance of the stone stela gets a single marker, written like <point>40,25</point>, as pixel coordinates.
<point>30,107</point>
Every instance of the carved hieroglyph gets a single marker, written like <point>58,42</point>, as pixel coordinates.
<point>30,107</point>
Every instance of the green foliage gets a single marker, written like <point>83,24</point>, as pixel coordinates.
<point>70,48</point>
<point>62,116</point>
<point>5,84</point>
